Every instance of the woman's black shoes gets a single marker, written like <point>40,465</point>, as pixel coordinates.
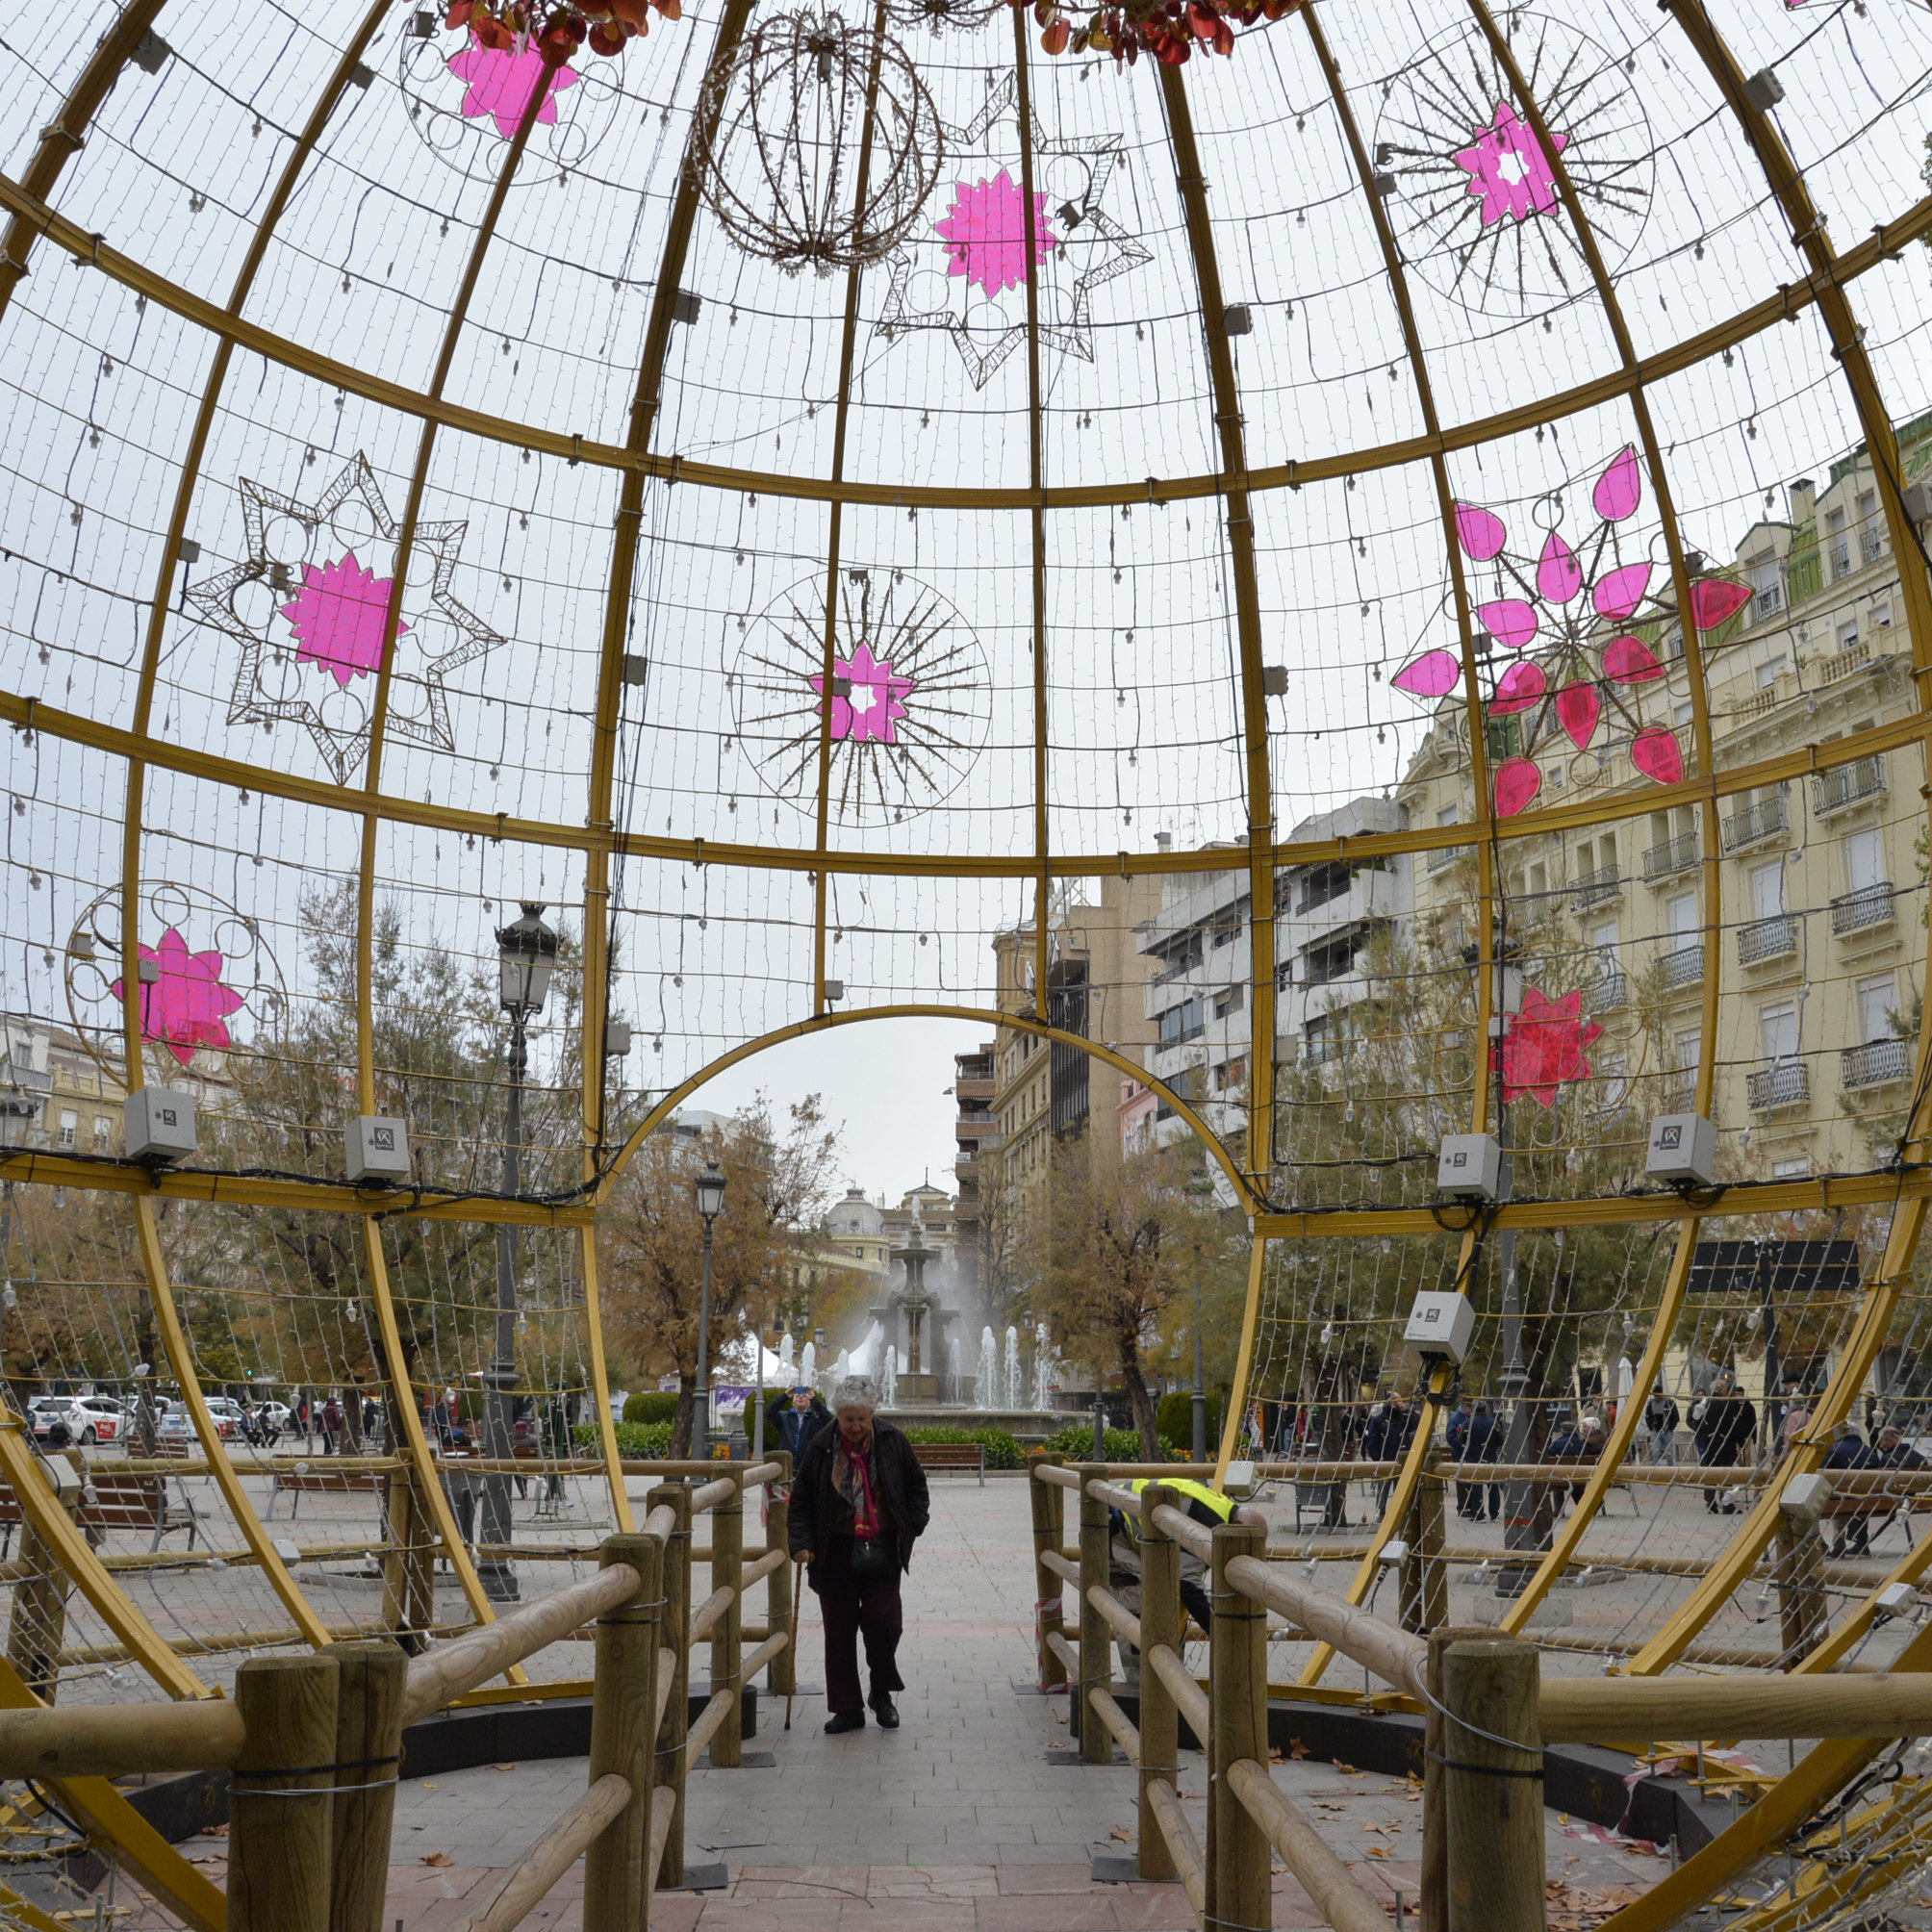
<point>847,1720</point>
<point>887,1712</point>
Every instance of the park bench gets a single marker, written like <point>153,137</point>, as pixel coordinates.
<point>952,1455</point>
<point>113,1503</point>
<point>296,1484</point>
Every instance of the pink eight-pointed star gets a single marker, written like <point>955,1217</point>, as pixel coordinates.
<point>872,710</point>
<point>1510,170</point>
<point>985,233</point>
<point>1544,1046</point>
<point>186,1007</point>
<point>501,85</point>
<point>338,617</point>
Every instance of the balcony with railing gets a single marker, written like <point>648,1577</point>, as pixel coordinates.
<point>1610,992</point>
<point>1766,940</point>
<point>1673,856</point>
<point>1878,1063</point>
<point>1841,559</point>
<point>1862,911</point>
<point>1840,664</point>
<point>1683,967</point>
<point>1780,1085</point>
<point>1444,856</point>
<point>1849,785</point>
<point>1597,888</point>
<point>1871,545</point>
<point>1753,824</point>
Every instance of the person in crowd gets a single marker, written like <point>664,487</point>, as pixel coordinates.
<point>801,1421</point>
<point>1567,1443</point>
<point>1456,1440</point>
<point>332,1425</point>
<point>1722,1424</point>
<point>859,1503</point>
<point>1390,1430</point>
<point>1202,1504</point>
<point>1660,1423</point>
<point>268,1426</point>
<point>1796,1417</point>
<point>1853,1510</point>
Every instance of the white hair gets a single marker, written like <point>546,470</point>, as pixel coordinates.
<point>855,1391</point>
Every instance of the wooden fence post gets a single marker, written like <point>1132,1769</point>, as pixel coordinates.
<point>1159,1623</point>
<point>1425,1579</point>
<point>1433,1914</point>
<point>409,1567</point>
<point>1239,1892</point>
<point>676,1627</point>
<point>1493,1793</point>
<point>1050,1532</point>
<point>1798,1573</point>
<point>782,1677</point>
<point>727,1646</point>
<point>623,1704</point>
<point>1096,1634</point>
<point>39,1624</point>
<point>368,1752</point>
<point>278,1844</point>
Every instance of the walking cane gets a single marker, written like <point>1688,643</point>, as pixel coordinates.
<point>798,1588</point>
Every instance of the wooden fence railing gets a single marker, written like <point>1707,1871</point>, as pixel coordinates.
<point>1488,1714</point>
<point>314,1743</point>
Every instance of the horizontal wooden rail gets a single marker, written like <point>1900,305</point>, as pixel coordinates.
<point>710,1611</point>
<point>219,1641</point>
<point>114,1740</point>
<point>1069,1657</point>
<point>530,1881</point>
<point>1196,1539</point>
<point>663,1809</point>
<point>1066,1568</point>
<point>1116,1613</point>
<point>1182,1844</point>
<point>1582,1709</point>
<point>724,1696</point>
<point>1117,1722</point>
<point>1338,1895</point>
<point>1394,1655</point>
<point>317,1464</point>
<point>442,1674</point>
<point>1190,1699</point>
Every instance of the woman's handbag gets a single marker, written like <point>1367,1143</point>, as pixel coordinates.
<point>873,1556</point>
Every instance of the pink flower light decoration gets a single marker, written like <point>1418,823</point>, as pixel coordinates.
<point>186,1007</point>
<point>870,708</point>
<point>338,617</point>
<point>1546,1046</point>
<point>1509,169</point>
<point>985,233</point>
<point>501,85</point>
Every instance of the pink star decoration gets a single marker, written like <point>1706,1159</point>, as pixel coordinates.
<point>986,233</point>
<point>1544,1046</point>
<point>338,617</point>
<point>1508,168</point>
<point>873,708</point>
<point>501,85</point>
<point>186,1007</point>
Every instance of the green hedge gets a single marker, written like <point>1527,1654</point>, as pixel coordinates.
<point>1123,1445</point>
<point>1173,1418</point>
<point>1002,1451</point>
<point>653,1405</point>
<point>637,1442</point>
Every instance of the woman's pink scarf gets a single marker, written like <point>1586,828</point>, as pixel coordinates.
<point>851,1478</point>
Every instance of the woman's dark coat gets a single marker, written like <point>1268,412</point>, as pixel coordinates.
<point>895,1469</point>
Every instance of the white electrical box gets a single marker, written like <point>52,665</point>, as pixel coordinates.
<point>378,1147</point>
<point>1239,1481</point>
<point>158,1124</point>
<point>1898,1599</point>
<point>1683,1147</point>
<point>1804,1497</point>
<point>1442,1324</point>
<point>1469,1167</point>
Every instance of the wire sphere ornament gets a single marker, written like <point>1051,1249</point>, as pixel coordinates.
<point>205,970</point>
<point>788,119</point>
<point>962,17</point>
<point>909,697</point>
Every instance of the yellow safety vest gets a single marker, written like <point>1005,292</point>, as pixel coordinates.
<point>1221,1508</point>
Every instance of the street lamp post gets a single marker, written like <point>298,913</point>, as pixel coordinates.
<point>710,1204</point>
<point>1203,1190</point>
<point>526,955</point>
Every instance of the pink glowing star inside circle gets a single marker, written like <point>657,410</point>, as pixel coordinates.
<point>1509,169</point>
<point>338,617</point>
<point>865,698</point>
<point>184,1007</point>
<point>1546,1045</point>
<point>501,85</point>
<point>986,233</point>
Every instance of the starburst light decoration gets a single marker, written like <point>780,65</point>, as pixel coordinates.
<point>1545,1045</point>
<point>311,649</point>
<point>986,233</point>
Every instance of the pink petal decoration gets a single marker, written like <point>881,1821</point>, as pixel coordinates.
<point>1620,488</point>
<point>1512,623</point>
<point>1522,685</point>
<point>1630,662</point>
<point>1617,594</point>
<point>1430,675</point>
<point>1654,752</point>
<point>1559,574</point>
<point>1517,782</point>
<point>1715,598</point>
<point>1578,708</point>
<point>985,233</point>
<point>1480,534</point>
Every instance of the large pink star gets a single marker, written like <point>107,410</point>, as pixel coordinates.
<point>986,233</point>
<point>1510,170</point>
<point>872,710</point>
<point>501,85</point>
<point>1544,1046</point>
<point>186,1007</point>
<point>338,617</point>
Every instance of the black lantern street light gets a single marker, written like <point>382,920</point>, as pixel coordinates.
<point>710,1204</point>
<point>526,955</point>
<point>1202,1188</point>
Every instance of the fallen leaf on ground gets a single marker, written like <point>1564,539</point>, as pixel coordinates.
<point>1276,1758</point>
<point>1296,1749</point>
<point>437,1858</point>
<point>1347,1770</point>
<point>502,1768</point>
<point>1379,1851</point>
<point>1124,1837</point>
<point>215,1831</point>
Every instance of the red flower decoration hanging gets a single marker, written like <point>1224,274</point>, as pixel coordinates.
<point>1544,1046</point>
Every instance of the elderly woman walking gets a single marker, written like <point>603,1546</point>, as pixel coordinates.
<point>858,1505</point>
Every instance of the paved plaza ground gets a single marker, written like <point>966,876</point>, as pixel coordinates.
<point>960,1821</point>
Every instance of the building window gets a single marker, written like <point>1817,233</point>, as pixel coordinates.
<point>1792,1170</point>
<point>1180,1023</point>
<point>69,1122</point>
<point>1766,578</point>
<point>1230,1002</point>
<point>1769,670</point>
<point>103,1132</point>
<point>1877,997</point>
<point>1779,1030</point>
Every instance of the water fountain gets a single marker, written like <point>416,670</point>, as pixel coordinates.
<point>1015,1385</point>
<point>986,1391</point>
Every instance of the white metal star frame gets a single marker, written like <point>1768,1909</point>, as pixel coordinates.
<point>309,608</point>
<point>969,275</point>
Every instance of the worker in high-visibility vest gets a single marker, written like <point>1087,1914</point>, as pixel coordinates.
<point>1203,1504</point>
